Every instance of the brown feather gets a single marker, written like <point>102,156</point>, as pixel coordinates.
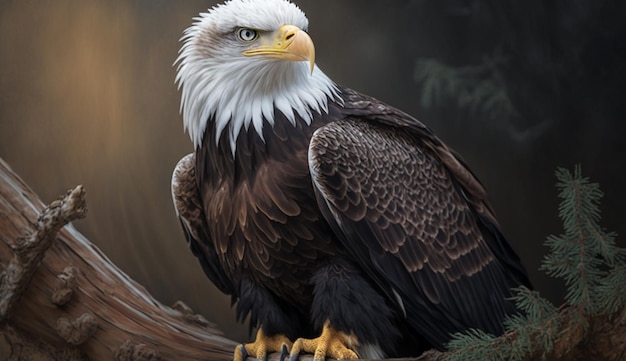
<point>414,197</point>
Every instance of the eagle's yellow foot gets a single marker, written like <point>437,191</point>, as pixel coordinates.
<point>331,343</point>
<point>263,345</point>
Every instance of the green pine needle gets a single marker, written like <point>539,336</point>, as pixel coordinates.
<point>532,304</point>
<point>584,255</point>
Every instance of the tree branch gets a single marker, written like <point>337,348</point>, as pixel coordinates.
<point>65,298</point>
<point>29,251</point>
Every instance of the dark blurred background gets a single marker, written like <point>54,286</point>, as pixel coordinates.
<point>87,96</point>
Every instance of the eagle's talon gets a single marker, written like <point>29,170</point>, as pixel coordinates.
<point>261,346</point>
<point>240,350</point>
<point>331,343</point>
<point>283,353</point>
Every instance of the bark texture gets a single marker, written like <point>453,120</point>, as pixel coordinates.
<point>61,298</point>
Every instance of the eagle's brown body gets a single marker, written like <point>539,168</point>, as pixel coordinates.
<point>371,222</point>
<point>267,226</point>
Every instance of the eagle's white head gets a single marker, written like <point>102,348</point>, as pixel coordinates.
<point>242,60</point>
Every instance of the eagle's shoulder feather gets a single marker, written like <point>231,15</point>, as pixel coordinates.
<point>190,211</point>
<point>414,216</point>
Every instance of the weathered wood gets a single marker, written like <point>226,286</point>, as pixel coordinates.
<point>76,301</point>
<point>29,251</point>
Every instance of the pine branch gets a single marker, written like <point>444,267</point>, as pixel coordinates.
<point>585,255</point>
<point>594,270</point>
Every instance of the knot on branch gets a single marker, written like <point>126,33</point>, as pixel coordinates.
<point>65,286</point>
<point>130,351</point>
<point>79,331</point>
<point>190,316</point>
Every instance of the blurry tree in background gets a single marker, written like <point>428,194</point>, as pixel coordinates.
<point>547,64</point>
<point>87,96</point>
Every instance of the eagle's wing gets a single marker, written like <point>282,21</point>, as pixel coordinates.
<point>415,219</point>
<point>188,205</point>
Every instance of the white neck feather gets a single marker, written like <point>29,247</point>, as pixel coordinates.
<point>246,91</point>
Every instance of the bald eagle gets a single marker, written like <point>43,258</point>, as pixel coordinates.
<point>340,225</point>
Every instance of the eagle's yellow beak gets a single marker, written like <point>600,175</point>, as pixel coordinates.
<point>287,43</point>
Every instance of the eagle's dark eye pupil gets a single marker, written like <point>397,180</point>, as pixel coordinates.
<point>247,34</point>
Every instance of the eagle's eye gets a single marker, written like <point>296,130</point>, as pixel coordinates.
<point>246,34</point>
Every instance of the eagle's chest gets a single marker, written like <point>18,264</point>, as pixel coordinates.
<point>261,208</point>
